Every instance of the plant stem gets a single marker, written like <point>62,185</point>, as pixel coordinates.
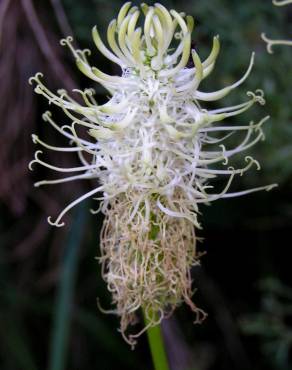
<point>64,299</point>
<point>157,349</point>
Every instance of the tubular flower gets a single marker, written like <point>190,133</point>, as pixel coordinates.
<point>151,148</point>
<point>271,42</point>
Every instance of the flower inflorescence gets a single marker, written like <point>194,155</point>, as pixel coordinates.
<point>152,147</point>
<point>271,42</point>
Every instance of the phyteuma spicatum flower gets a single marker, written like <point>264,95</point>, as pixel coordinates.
<point>151,155</point>
<point>271,42</point>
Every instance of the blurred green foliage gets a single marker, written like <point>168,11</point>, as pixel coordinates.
<point>272,324</point>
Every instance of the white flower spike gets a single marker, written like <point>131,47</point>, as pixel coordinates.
<point>271,42</point>
<point>152,147</point>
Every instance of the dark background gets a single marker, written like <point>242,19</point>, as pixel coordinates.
<point>49,278</point>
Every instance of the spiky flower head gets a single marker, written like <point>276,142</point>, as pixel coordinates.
<point>272,42</point>
<point>151,148</point>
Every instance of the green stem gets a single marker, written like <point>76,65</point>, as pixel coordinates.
<point>64,299</point>
<point>156,344</point>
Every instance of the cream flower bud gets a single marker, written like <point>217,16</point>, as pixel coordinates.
<point>151,148</point>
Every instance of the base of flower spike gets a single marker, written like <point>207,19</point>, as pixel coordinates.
<point>146,262</point>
